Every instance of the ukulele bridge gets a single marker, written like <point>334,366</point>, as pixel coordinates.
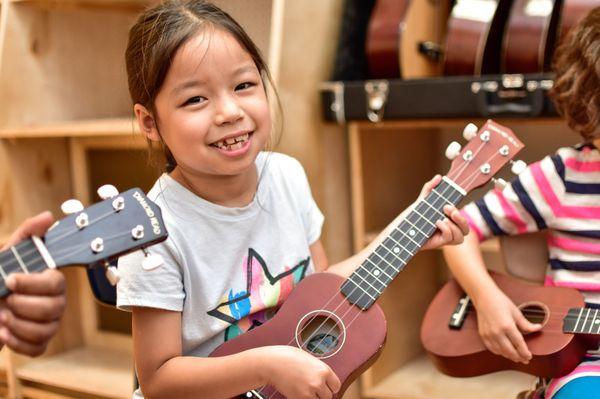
<point>459,315</point>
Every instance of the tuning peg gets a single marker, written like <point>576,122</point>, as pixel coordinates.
<point>151,261</point>
<point>112,274</point>
<point>518,167</point>
<point>499,183</point>
<point>107,191</point>
<point>71,206</point>
<point>453,150</point>
<point>470,131</point>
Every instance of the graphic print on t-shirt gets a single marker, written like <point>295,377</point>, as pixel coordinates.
<point>264,294</point>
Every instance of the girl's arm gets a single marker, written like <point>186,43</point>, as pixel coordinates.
<point>164,373</point>
<point>500,322</point>
<point>450,232</point>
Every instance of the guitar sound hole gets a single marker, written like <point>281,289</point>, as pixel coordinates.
<point>320,335</point>
<point>535,312</point>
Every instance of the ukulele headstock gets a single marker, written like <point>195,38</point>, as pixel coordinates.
<point>487,151</point>
<point>122,223</point>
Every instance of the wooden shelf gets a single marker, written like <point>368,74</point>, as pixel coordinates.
<point>419,379</point>
<point>85,128</point>
<point>435,123</point>
<point>124,5</point>
<point>89,370</point>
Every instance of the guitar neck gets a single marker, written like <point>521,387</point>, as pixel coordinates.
<point>582,321</point>
<point>379,269</point>
<point>24,257</point>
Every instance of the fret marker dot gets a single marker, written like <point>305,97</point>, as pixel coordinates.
<point>396,250</point>
<point>376,273</point>
<point>412,232</point>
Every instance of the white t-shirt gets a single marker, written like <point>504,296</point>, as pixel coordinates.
<point>226,269</point>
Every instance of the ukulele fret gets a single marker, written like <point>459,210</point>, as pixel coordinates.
<point>396,250</point>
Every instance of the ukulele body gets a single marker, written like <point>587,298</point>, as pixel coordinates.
<point>317,308</point>
<point>461,352</point>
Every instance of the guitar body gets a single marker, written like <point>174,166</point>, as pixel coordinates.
<point>360,334</point>
<point>383,38</point>
<point>574,11</point>
<point>461,352</point>
<point>404,38</point>
<point>424,27</point>
<point>530,36</point>
<point>475,29</point>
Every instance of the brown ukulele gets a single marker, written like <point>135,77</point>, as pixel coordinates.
<point>530,36</point>
<point>450,336</point>
<point>475,30</point>
<point>337,319</point>
<point>404,38</point>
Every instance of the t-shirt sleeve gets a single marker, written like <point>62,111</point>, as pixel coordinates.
<point>160,288</point>
<point>523,206</point>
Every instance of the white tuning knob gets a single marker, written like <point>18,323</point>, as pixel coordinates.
<point>152,261</point>
<point>470,131</point>
<point>107,191</point>
<point>499,183</point>
<point>453,150</point>
<point>71,206</point>
<point>518,167</point>
<point>112,274</point>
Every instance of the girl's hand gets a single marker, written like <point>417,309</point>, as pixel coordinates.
<point>451,231</point>
<point>501,326</point>
<point>298,375</point>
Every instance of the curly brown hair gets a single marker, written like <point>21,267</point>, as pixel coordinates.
<point>576,91</point>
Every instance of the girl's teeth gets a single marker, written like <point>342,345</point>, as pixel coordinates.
<point>230,141</point>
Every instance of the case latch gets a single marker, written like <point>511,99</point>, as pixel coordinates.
<point>377,95</point>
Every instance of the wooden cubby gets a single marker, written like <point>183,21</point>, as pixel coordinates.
<point>389,163</point>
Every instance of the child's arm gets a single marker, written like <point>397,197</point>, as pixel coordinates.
<point>164,373</point>
<point>500,322</point>
<point>450,232</point>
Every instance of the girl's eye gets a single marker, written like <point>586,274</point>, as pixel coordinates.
<point>244,86</point>
<point>194,100</point>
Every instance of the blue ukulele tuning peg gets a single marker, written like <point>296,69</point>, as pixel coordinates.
<point>107,191</point>
<point>71,206</point>
<point>151,261</point>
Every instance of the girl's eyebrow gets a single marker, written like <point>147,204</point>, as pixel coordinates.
<point>188,84</point>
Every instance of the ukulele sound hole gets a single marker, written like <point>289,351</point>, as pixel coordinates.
<point>320,335</point>
<point>535,312</point>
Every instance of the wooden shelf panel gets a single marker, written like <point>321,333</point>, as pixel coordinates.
<point>85,128</point>
<point>89,370</point>
<point>124,5</point>
<point>419,379</point>
<point>435,123</point>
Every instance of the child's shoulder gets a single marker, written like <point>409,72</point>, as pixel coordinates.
<point>279,165</point>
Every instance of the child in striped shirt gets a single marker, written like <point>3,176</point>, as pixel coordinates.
<point>560,194</point>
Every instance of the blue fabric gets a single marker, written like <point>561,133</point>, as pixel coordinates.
<point>580,388</point>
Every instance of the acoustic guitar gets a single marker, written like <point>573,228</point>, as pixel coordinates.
<point>530,37</point>
<point>475,31</point>
<point>404,38</point>
<point>451,339</point>
<point>337,320</point>
<point>93,237</point>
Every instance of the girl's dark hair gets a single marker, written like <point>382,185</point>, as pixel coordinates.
<point>576,91</point>
<point>162,30</point>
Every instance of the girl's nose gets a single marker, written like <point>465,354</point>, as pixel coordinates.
<point>228,111</point>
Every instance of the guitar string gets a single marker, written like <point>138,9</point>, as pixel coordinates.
<point>362,295</point>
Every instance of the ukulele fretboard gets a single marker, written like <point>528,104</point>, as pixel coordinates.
<point>369,281</point>
<point>582,321</point>
<point>23,257</point>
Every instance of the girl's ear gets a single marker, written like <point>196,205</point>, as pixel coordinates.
<point>146,122</point>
